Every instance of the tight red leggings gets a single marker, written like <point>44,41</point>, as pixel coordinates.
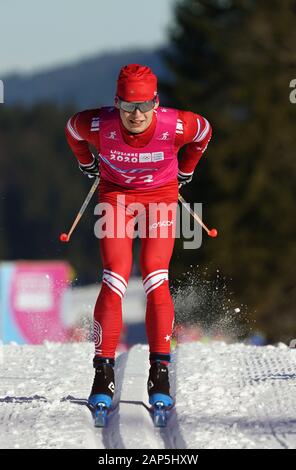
<point>156,229</point>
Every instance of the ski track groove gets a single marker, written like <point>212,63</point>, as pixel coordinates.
<point>111,435</point>
<point>34,409</point>
<point>130,424</point>
<point>246,392</point>
<point>258,373</point>
<point>135,424</point>
<point>227,396</point>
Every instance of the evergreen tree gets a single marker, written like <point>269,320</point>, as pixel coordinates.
<point>232,61</point>
<point>41,191</point>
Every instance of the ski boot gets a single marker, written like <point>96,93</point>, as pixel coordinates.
<point>102,391</point>
<point>159,393</point>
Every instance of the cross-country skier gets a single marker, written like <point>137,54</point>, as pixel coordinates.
<point>137,142</point>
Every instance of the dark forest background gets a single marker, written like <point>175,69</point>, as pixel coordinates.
<point>229,60</point>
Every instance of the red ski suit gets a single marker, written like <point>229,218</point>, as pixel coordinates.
<point>192,130</point>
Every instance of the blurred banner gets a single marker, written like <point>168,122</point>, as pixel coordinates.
<point>32,300</point>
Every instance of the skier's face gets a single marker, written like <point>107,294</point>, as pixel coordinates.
<point>137,121</point>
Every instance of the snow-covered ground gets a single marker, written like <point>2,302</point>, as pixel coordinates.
<point>227,396</point>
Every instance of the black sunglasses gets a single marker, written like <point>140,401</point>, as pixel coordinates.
<point>143,106</point>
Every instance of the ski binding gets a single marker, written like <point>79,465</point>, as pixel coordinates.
<point>100,405</point>
<point>159,412</point>
<point>100,414</point>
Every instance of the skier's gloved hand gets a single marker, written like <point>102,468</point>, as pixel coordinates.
<point>184,178</point>
<point>90,169</point>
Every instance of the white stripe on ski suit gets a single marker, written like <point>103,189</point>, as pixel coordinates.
<point>116,282</point>
<point>203,133</point>
<point>120,278</point>
<point>72,131</point>
<point>198,129</point>
<point>155,279</point>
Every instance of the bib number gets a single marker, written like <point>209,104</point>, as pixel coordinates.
<point>145,179</point>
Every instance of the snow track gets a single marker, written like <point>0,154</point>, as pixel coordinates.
<point>227,396</point>
<point>136,425</point>
<point>242,396</point>
<point>130,424</point>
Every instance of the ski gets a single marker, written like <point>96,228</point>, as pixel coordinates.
<point>100,415</point>
<point>160,414</point>
<point>100,405</point>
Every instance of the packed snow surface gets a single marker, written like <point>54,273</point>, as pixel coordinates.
<point>227,396</point>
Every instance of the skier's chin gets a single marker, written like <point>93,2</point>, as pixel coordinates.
<point>137,127</point>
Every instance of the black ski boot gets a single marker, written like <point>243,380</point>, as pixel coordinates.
<point>104,383</point>
<point>159,386</point>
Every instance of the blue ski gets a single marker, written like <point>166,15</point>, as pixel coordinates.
<point>160,414</point>
<point>160,409</point>
<point>100,405</point>
<point>100,415</point>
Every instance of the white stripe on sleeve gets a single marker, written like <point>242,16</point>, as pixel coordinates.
<point>72,131</point>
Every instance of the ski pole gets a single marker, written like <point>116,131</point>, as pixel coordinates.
<point>65,237</point>
<point>211,232</point>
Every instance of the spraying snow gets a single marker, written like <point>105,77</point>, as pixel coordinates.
<point>207,302</point>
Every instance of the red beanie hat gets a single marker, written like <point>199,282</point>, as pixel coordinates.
<point>136,83</point>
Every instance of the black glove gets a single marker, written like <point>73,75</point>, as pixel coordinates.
<point>184,178</point>
<point>90,169</point>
